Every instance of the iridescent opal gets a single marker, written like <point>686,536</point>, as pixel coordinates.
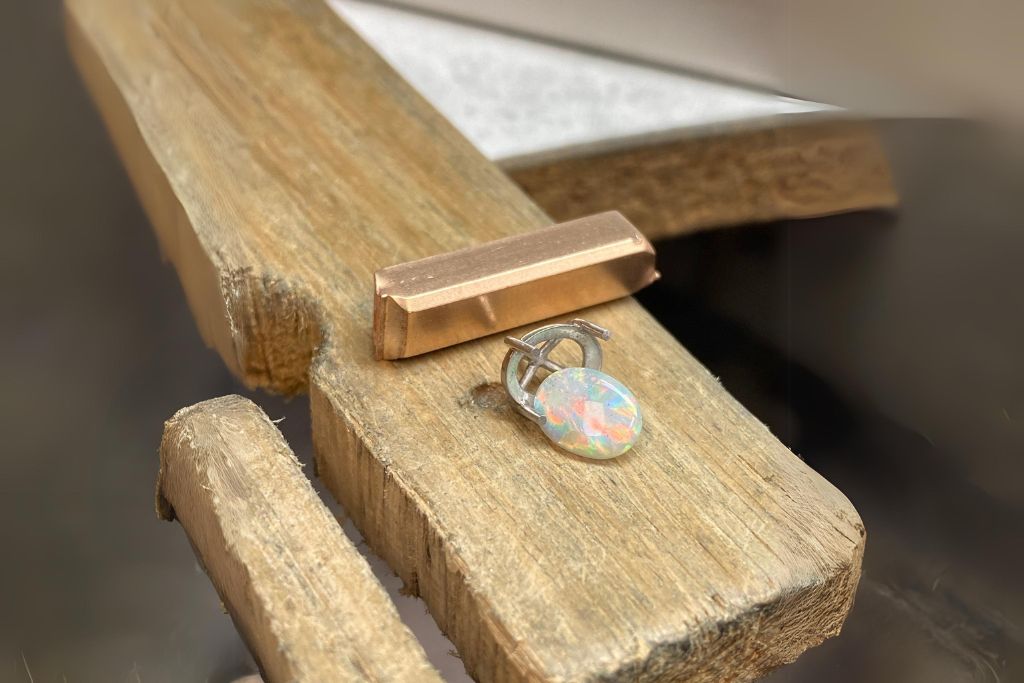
<point>588,413</point>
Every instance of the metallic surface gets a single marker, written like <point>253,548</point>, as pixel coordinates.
<point>535,347</point>
<point>450,298</point>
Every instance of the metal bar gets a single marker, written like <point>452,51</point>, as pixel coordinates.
<point>442,300</point>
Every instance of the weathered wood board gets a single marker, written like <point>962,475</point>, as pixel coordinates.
<point>795,167</point>
<point>304,599</point>
<point>282,162</point>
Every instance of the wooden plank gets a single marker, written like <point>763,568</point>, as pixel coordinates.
<point>798,167</point>
<point>282,162</point>
<point>300,593</point>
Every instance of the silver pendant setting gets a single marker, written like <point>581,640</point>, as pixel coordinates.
<point>580,408</point>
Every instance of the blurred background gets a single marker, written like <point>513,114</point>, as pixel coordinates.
<point>883,346</point>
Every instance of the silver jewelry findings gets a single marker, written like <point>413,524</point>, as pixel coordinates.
<point>580,408</point>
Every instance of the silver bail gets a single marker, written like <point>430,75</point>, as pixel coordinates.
<point>535,347</point>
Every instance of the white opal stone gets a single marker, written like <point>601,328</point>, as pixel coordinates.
<point>589,413</point>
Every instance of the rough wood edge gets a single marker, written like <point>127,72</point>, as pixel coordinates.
<point>399,529</point>
<point>304,599</point>
<point>272,351</point>
<point>798,167</point>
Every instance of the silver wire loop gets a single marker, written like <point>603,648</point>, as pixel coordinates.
<point>535,347</point>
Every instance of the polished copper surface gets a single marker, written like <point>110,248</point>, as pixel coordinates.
<point>442,300</point>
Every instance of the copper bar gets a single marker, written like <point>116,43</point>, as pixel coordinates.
<point>442,300</point>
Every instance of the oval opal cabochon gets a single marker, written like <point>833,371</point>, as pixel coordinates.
<point>589,413</point>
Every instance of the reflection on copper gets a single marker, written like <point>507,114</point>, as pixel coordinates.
<point>442,300</point>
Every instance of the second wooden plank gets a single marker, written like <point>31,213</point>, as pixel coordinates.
<point>298,590</point>
<point>796,167</point>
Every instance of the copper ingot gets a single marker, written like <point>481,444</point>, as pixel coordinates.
<point>441,300</point>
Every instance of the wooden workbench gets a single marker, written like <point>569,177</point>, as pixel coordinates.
<point>281,162</point>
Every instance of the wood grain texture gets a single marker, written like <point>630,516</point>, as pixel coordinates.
<point>282,163</point>
<point>300,593</point>
<point>802,167</point>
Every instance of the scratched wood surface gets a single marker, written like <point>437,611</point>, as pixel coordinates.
<point>281,162</point>
<point>799,166</point>
<point>303,597</point>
